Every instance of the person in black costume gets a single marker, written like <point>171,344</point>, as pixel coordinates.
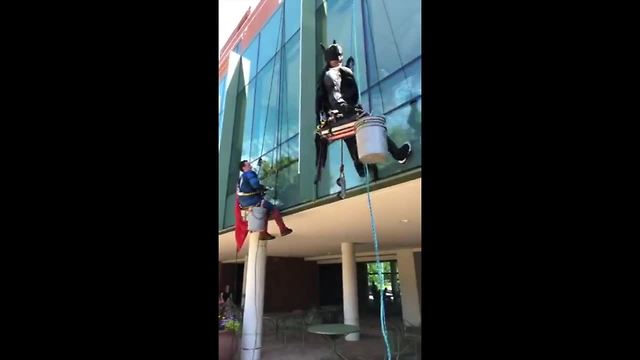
<point>337,93</point>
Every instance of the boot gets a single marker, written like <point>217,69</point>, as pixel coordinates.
<point>284,230</point>
<point>264,235</point>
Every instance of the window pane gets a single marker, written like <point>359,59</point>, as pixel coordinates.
<point>321,38</point>
<point>270,38</point>
<point>221,93</point>
<point>340,27</point>
<point>288,179</point>
<point>402,86</point>
<point>219,130</point>
<point>247,138</point>
<point>395,30</point>
<point>268,165</point>
<point>289,125</point>
<point>292,17</point>
<point>327,184</point>
<point>364,100</point>
<point>376,101</point>
<point>251,55</point>
<point>404,124</point>
<point>266,104</point>
<point>406,23</point>
<point>229,213</point>
<point>221,100</point>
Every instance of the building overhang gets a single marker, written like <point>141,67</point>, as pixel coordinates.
<point>319,231</point>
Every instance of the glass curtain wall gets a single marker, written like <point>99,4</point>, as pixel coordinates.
<point>270,114</point>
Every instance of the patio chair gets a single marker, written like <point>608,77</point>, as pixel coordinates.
<point>298,322</point>
<point>412,337</point>
<point>269,324</point>
<point>313,317</point>
<point>292,324</point>
<point>399,344</point>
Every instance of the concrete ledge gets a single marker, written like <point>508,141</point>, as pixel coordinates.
<point>362,189</point>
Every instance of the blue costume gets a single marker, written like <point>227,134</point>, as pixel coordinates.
<point>251,192</point>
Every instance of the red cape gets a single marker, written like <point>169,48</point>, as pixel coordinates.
<point>242,226</point>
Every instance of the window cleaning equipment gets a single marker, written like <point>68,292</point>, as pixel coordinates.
<point>257,219</point>
<point>371,139</point>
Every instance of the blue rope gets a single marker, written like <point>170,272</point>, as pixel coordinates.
<point>383,322</point>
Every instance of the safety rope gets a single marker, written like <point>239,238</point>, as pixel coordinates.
<point>383,322</point>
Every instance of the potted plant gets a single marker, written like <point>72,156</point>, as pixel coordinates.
<point>228,329</point>
<point>228,339</point>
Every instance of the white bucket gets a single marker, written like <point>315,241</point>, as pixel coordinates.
<point>257,219</point>
<point>371,139</point>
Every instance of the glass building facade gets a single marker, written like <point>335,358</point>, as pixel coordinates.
<point>261,113</point>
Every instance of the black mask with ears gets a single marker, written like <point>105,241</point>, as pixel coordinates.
<point>333,52</point>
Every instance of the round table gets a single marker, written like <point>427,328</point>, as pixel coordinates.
<point>332,332</point>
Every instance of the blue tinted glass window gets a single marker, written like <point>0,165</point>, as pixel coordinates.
<point>331,172</point>
<point>265,112</point>
<point>267,171</point>
<point>404,124</point>
<point>376,101</point>
<point>290,106</point>
<point>394,30</point>
<point>229,214</point>
<point>341,21</point>
<point>405,20</point>
<point>251,55</point>
<point>288,179</point>
<point>221,100</point>
<point>270,38</point>
<point>292,17</point>
<point>321,37</point>
<point>221,94</point>
<point>402,86</point>
<point>247,107</point>
<point>219,129</point>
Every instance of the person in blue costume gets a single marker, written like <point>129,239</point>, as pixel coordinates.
<point>251,193</point>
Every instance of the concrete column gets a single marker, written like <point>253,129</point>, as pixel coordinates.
<point>350,289</point>
<point>244,280</point>
<point>254,299</point>
<point>408,288</point>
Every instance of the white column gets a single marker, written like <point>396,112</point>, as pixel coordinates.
<point>244,280</point>
<point>350,289</point>
<point>254,299</point>
<point>408,288</point>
